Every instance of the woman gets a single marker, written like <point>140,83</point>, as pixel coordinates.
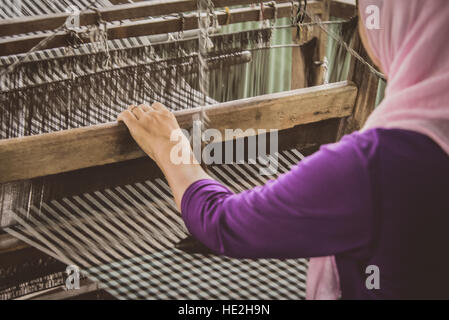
<point>374,206</point>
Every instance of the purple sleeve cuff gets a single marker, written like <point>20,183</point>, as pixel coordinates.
<point>195,210</point>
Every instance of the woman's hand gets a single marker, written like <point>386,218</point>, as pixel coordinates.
<point>151,127</point>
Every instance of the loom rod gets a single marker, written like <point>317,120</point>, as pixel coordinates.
<point>214,62</point>
<point>15,26</point>
<point>236,58</point>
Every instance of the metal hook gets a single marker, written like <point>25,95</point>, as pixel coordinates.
<point>292,13</point>
<point>182,18</point>
<point>261,18</point>
<point>300,16</point>
<point>228,15</point>
<point>275,17</point>
<point>303,12</point>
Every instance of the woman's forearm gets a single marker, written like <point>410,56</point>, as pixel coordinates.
<point>179,175</point>
<point>152,128</point>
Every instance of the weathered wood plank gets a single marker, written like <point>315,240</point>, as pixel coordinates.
<point>22,44</point>
<point>51,153</point>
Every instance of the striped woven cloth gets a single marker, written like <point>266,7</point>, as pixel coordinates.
<point>124,238</point>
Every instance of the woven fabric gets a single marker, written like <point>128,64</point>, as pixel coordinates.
<point>124,238</point>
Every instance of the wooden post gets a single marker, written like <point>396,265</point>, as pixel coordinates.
<point>368,83</point>
<point>323,39</point>
<point>298,65</point>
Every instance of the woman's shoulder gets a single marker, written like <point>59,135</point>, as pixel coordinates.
<point>382,143</point>
<point>378,148</point>
<point>390,156</point>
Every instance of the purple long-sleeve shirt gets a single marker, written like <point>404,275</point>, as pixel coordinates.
<point>380,198</point>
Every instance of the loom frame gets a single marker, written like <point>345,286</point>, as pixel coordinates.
<point>305,131</point>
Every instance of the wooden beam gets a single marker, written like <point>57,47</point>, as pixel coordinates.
<point>9,46</point>
<point>342,10</point>
<point>51,153</point>
<point>118,12</point>
<point>9,244</point>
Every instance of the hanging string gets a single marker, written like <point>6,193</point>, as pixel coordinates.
<point>206,18</point>
<point>37,47</point>
<point>101,33</point>
<point>205,14</point>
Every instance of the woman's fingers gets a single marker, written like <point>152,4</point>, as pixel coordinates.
<point>159,106</point>
<point>131,107</point>
<point>146,108</point>
<point>151,127</point>
<point>137,111</point>
<point>127,117</point>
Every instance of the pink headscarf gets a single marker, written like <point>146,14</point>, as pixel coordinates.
<point>413,48</point>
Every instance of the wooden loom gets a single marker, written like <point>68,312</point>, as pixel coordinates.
<point>92,158</point>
